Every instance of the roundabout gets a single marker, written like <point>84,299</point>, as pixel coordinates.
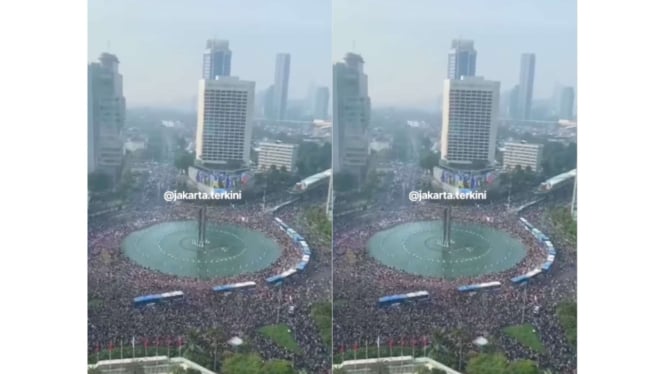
<point>173,248</point>
<point>419,248</point>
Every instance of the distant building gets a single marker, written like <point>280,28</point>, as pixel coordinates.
<point>566,103</point>
<point>277,154</point>
<point>281,86</point>
<point>224,121</point>
<point>268,99</point>
<point>106,116</point>
<point>523,155</point>
<point>461,59</point>
<point>351,116</point>
<point>216,59</point>
<point>320,103</point>
<point>470,121</point>
<point>525,91</point>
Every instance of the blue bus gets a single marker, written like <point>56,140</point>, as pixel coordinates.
<point>403,298</point>
<point>528,276</point>
<point>153,299</point>
<point>479,286</point>
<point>234,287</point>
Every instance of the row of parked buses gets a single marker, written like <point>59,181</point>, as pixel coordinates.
<point>303,248</point>
<point>550,251</point>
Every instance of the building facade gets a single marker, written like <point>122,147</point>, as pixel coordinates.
<point>470,121</point>
<point>523,155</point>
<point>525,90</point>
<point>277,154</point>
<point>567,103</point>
<point>281,86</point>
<point>224,122</point>
<point>216,59</point>
<point>461,59</point>
<point>351,116</point>
<point>320,104</point>
<point>106,116</point>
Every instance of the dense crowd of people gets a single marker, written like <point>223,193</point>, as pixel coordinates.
<point>114,281</point>
<point>360,281</point>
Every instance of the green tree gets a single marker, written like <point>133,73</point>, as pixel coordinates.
<point>98,182</point>
<point>278,367</point>
<point>340,371</point>
<point>184,160</point>
<point>243,364</point>
<point>523,367</point>
<point>177,369</point>
<point>483,363</point>
<point>429,159</point>
<point>344,182</point>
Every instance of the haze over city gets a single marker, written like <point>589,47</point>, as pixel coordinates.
<point>160,44</point>
<point>405,44</point>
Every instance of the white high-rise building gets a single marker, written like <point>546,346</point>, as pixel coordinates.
<point>224,121</point>
<point>351,116</point>
<point>106,116</point>
<point>470,121</point>
<point>278,155</point>
<point>523,155</point>
<point>281,86</point>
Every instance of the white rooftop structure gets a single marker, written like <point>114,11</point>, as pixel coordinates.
<point>395,365</point>
<point>150,365</point>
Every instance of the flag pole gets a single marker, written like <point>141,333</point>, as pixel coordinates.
<point>98,349</point>
<point>121,348</point>
<point>133,347</point>
<point>110,348</point>
<point>366,349</point>
<point>378,347</point>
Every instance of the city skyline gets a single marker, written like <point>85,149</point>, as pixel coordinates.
<point>411,72</point>
<point>176,36</point>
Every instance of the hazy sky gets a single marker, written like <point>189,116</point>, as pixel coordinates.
<point>405,43</point>
<point>160,43</point>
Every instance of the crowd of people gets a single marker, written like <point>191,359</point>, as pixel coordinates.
<point>114,281</point>
<point>360,281</point>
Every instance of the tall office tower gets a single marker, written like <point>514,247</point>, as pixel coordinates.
<point>525,93</point>
<point>461,59</point>
<point>514,106</point>
<point>268,101</point>
<point>281,86</point>
<point>216,59</point>
<point>106,116</point>
<point>224,123</point>
<point>351,115</point>
<point>566,102</point>
<point>470,121</point>
<point>320,104</point>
